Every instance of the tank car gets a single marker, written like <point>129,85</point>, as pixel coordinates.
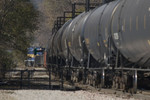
<point>75,37</point>
<point>130,28</point>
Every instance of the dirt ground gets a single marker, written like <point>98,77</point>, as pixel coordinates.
<point>56,95</point>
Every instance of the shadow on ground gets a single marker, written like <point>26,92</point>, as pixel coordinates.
<point>15,85</point>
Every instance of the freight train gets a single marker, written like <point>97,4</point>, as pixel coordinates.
<point>114,36</point>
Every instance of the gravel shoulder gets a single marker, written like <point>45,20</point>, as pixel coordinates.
<point>56,95</point>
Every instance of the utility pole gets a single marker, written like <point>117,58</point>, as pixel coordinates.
<point>73,10</point>
<point>87,5</point>
<point>106,1</point>
<point>103,1</point>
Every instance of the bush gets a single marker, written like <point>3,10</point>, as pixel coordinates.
<point>6,63</point>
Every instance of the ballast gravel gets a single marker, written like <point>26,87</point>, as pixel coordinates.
<point>57,95</point>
